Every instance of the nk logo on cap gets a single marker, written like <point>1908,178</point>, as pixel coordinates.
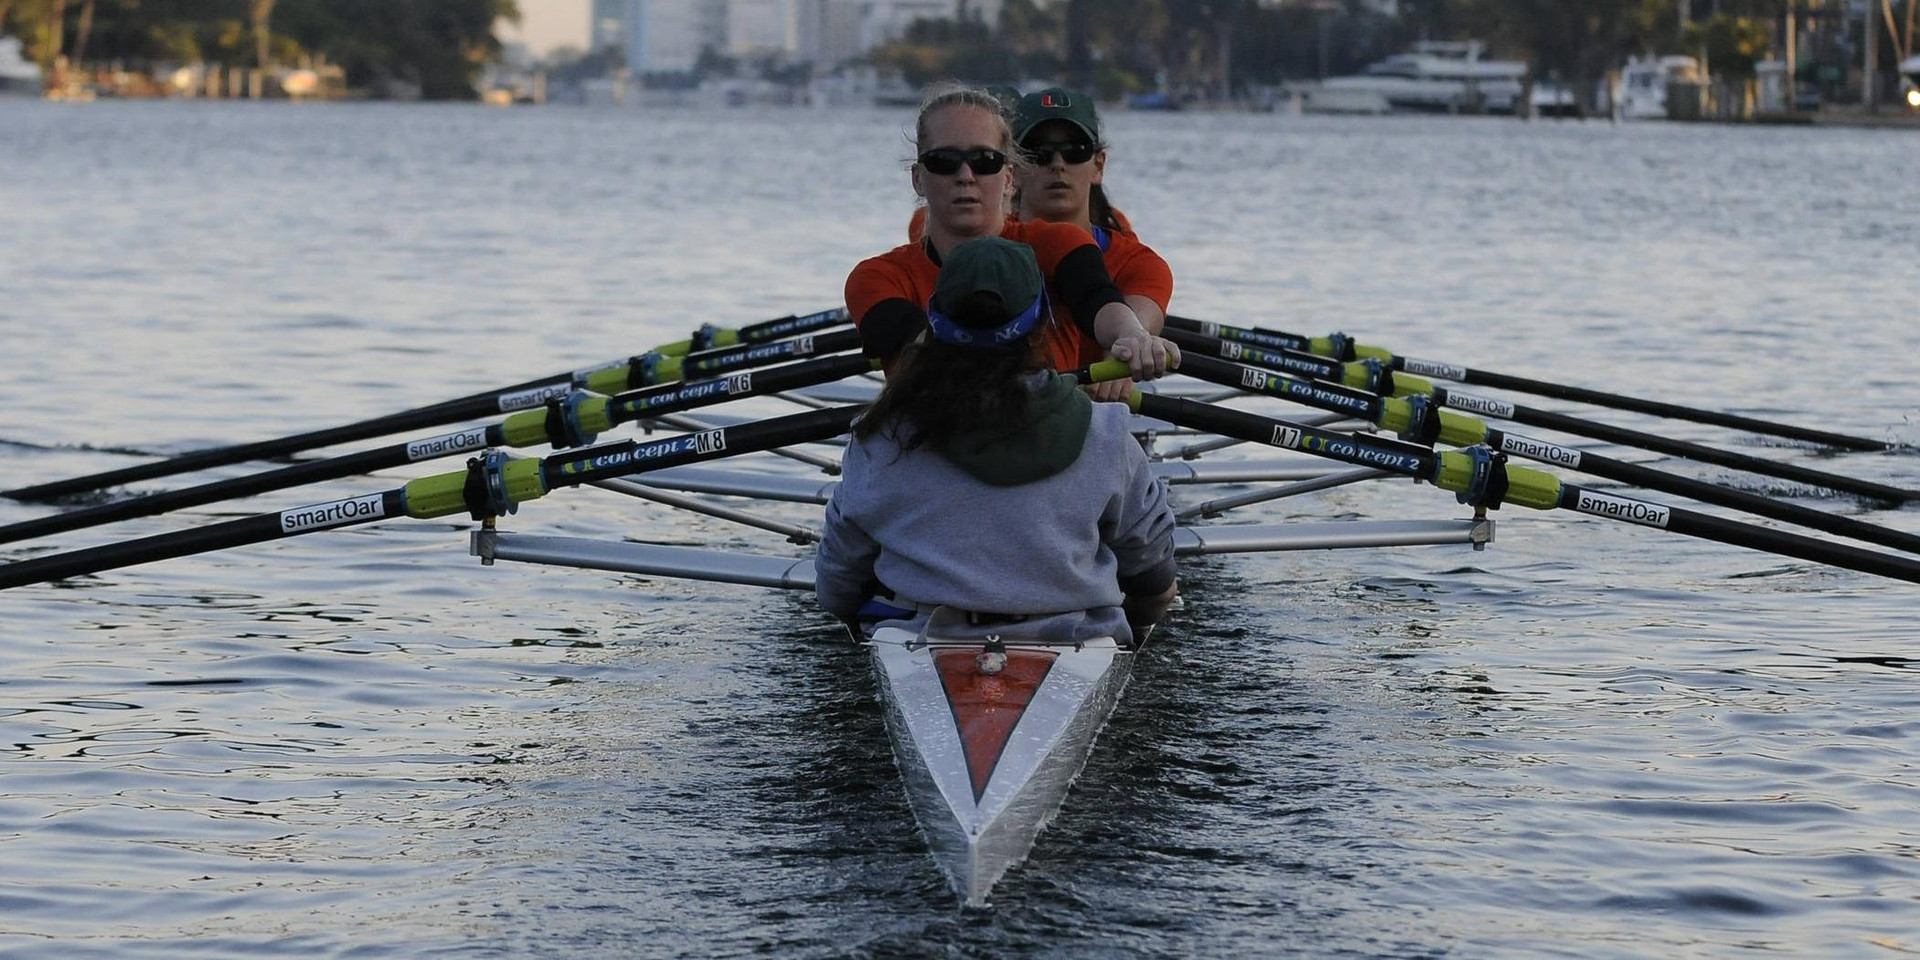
<point>1055,100</point>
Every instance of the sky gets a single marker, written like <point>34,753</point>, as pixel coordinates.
<point>547,24</point>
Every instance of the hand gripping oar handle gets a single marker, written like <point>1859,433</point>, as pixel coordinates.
<point>519,396</point>
<point>1482,478</point>
<point>1103,371</point>
<point>490,486</point>
<point>1341,347</point>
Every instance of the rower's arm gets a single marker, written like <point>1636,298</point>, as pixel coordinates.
<point>843,565</point>
<point>1117,328</point>
<point>1152,318</point>
<point>1141,532</point>
<point>1144,610</point>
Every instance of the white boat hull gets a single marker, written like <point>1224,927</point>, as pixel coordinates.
<point>987,760</point>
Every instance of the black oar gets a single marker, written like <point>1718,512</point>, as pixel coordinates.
<point>491,486</point>
<point>1482,478</point>
<point>1420,420</point>
<point>1342,347</point>
<point>520,396</point>
<point>571,421</point>
<point>1385,381</point>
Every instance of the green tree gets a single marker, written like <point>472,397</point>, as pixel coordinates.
<point>1732,45</point>
<point>1577,41</point>
<point>440,45</point>
<point>933,50</point>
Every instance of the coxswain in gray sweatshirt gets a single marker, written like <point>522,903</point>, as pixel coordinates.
<point>1057,516</point>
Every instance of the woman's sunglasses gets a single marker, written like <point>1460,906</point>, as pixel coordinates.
<point>946,161</point>
<point>1041,154</point>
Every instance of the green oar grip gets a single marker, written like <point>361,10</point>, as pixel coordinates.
<point>666,370</point>
<point>651,368</point>
<point>524,429</point>
<point>1532,488</point>
<point>445,494</point>
<point>1459,429</point>
<point>1457,472</point>
<point>680,348</point>
<point>529,427</point>
<point>1108,370</point>
<point>595,415</point>
<point>1525,486</point>
<point>1367,352</point>
<point>1325,346</point>
<point>610,381</point>
<point>1405,385</point>
<point>1456,429</point>
<point>439,495</point>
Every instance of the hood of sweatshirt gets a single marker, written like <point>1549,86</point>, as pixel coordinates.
<point>1045,443</point>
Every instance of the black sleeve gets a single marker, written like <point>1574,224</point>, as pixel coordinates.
<point>1150,582</point>
<point>889,327</point>
<point>1083,284</point>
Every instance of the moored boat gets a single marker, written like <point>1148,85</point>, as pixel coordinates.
<point>1641,93</point>
<point>18,75</point>
<point>1434,77</point>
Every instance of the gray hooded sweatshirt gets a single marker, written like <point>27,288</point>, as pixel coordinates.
<point>1057,515</point>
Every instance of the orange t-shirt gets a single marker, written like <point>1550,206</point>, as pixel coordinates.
<point>908,272</point>
<point>917,223</point>
<point>1135,268</point>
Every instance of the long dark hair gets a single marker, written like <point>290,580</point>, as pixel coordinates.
<point>941,390</point>
<point>1100,211</point>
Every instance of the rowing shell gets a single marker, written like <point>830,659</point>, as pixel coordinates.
<point>987,757</point>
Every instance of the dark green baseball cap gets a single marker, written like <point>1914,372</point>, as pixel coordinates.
<point>1056,103</point>
<point>975,273</point>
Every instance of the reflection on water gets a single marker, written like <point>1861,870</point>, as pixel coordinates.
<point>1589,739</point>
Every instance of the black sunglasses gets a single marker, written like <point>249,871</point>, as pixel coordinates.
<point>946,161</point>
<point>1073,153</point>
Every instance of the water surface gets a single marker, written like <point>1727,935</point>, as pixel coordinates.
<point>1589,740</point>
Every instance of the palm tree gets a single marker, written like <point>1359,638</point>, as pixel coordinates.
<point>262,36</point>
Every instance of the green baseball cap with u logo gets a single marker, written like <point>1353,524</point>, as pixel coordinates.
<point>1056,103</point>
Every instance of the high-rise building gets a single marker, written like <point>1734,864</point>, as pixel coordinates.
<point>668,36</point>
<point>763,26</point>
<point>830,31</point>
<point>607,29</point>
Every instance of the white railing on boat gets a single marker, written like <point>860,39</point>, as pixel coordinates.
<point>803,489</point>
<point>717,566</point>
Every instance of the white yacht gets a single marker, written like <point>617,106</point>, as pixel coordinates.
<point>18,75</point>
<point>1641,93</point>
<point>1551,99</point>
<point>1437,77</point>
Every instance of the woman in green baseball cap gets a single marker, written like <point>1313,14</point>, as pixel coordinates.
<point>980,480</point>
<point>1063,181</point>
